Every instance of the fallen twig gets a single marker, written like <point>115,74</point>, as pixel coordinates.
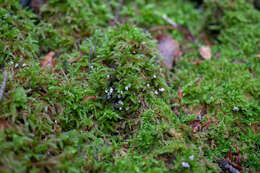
<point>241,128</point>
<point>224,165</point>
<point>118,11</point>
<point>174,26</point>
<point>3,85</point>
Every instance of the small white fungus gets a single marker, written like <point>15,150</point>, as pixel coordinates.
<point>191,157</point>
<point>235,109</point>
<point>16,65</point>
<point>155,92</point>
<point>185,164</point>
<point>154,76</point>
<point>148,85</point>
<point>161,89</point>
<point>24,65</point>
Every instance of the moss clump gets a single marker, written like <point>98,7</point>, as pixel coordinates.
<point>108,106</point>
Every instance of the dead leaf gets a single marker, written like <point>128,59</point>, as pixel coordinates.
<point>213,145</point>
<point>169,49</point>
<point>37,4</point>
<point>195,124</point>
<point>258,56</point>
<point>238,157</point>
<point>48,62</point>
<point>229,155</point>
<point>180,93</point>
<point>205,52</point>
<point>4,124</point>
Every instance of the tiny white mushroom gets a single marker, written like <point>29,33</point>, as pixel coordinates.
<point>24,65</point>
<point>191,157</point>
<point>108,76</point>
<point>155,92</point>
<point>185,164</point>
<point>148,85</point>
<point>11,62</point>
<point>16,65</point>
<point>111,90</point>
<point>154,76</point>
<point>235,109</point>
<point>120,108</point>
<point>120,102</point>
<point>161,89</point>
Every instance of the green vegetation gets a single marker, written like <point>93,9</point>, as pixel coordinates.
<point>109,106</point>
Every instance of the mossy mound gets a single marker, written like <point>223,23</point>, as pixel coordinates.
<point>107,105</point>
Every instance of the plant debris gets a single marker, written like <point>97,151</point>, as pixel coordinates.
<point>169,49</point>
<point>2,90</point>
<point>205,52</point>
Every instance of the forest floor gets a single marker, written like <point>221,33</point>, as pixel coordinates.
<point>129,86</point>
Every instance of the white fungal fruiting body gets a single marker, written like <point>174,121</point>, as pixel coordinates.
<point>191,157</point>
<point>185,164</point>
<point>161,89</point>
<point>235,109</point>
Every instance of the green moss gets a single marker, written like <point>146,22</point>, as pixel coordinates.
<point>108,105</point>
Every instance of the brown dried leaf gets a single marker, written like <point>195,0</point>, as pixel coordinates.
<point>238,157</point>
<point>205,52</point>
<point>48,62</point>
<point>213,145</point>
<point>4,124</point>
<point>169,49</point>
<point>258,56</point>
<point>195,124</point>
<point>180,93</point>
<point>37,4</point>
<point>229,155</point>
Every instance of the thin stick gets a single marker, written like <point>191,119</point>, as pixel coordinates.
<point>241,128</point>
<point>3,85</point>
<point>118,11</point>
<point>170,21</point>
